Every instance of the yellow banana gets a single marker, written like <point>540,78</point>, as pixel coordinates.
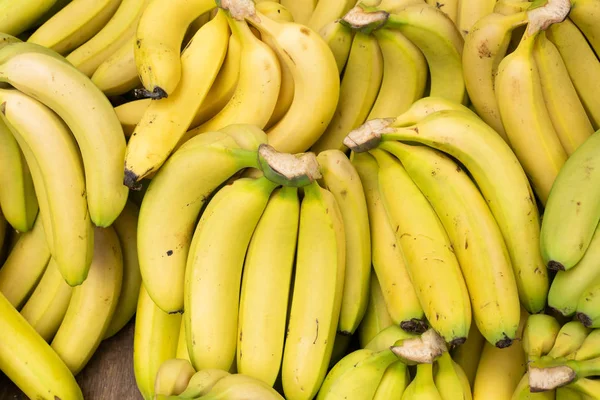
<point>359,88</point>
<point>320,268</point>
<point>587,306</point>
<point>570,337</point>
<point>393,6</point>
<point>451,380</point>
<point>131,113</point>
<point>238,386</point>
<point>74,25</point>
<point>585,14</point>
<point>468,354</point>
<point>266,287</point>
<point>589,348</point>
<point>158,40</point>
<point>274,10</point>
<point>24,354</point>
<point>327,11</point>
<point>338,37</point>
<point>523,392</point>
<point>18,17</point>
<point>539,335</point>
<point>401,302</point>
<point>166,120</point>
<point>300,9</point>
<point>469,12</point>
<point>172,377</point>
<point>46,307</point>
<point>377,317</point>
<point>182,350</point>
<point>441,290</point>
<point>202,382</point>
<point>423,386</point>
<point>117,74</point>
<point>387,337</point>
<point>394,381</point>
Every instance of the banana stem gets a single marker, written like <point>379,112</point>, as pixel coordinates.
<point>286,169</point>
<point>420,350</point>
<point>367,136</point>
<point>364,19</point>
<point>238,9</point>
<point>553,12</point>
<point>551,374</point>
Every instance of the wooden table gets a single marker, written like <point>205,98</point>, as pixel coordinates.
<point>108,375</point>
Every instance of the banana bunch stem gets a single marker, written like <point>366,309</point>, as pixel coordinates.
<point>424,349</point>
<point>547,374</point>
<point>285,169</point>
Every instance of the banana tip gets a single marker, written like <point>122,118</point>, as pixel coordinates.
<point>504,343</point>
<point>131,180</point>
<point>556,266</point>
<point>156,94</point>
<point>584,319</point>
<point>414,325</point>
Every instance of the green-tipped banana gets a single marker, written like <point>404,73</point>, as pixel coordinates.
<point>423,386</point>
<point>393,383</point>
<point>451,380</point>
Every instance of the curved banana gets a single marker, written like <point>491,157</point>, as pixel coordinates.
<point>405,74</point>
<point>441,290</point>
<point>539,335</point>
<point>18,200</point>
<point>320,268</point>
<point>266,287</point>
<point>171,206</point>
<point>570,338</point>
<point>45,140</point>
<point>166,120</point>
<point>17,17</point>
<point>25,265</point>
<point>485,47</point>
<point>173,377</point>
<point>451,380</point>
<point>523,392</point>
<point>126,227</point>
<point>238,386</point>
<point>342,180</point>
<point>117,31</point>
<point>377,317</point>
<point>338,37</point>
<point>158,41</point>
<point>92,304</point>
<point>214,269</point>
<point>327,11</point>
<point>131,113</point>
<point>393,6</point>
<point>24,354</point>
<point>202,382</point>
<point>74,25</point>
<point>468,354</point>
<point>358,91</point>
<point>387,337</point>
<point>47,306</point>
<point>301,9</point>
<point>117,74</point>
<point>422,386</point>
<point>274,10</point>
<point>401,302</point>
<point>90,117</point>
<point>427,106</point>
<point>470,12</point>
<point>589,348</point>
<point>587,307</point>
<point>394,381</point>
<point>182,350</point>
<point>585,14</point>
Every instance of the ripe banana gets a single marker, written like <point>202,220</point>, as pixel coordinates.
<point>46,307</point>
<point>202,382</point>
<point>587,307</point>
<point>46,141</point>
<point>426,106</point>
<point>470,12</point>
<point>401,301</point>
<point>570,338</point>
<point>539,335</point>
<point>238,386</point>
<point>343,181</point>
<point>25,265</point>
<point>467,355</point>
<point>338,37</point>
<point>117,31</point>
<point>451,380</point>
<point>131,113</point>
<point>92,304</point>
<point>117,74</point>
<point>377,317</point>
<point>359,88</point>
<point>584,14</point>
<point>422,386</point>
<point>589,348</point>
<point>172,377</point>
<point>394,381</point>
<point>214,269</point>
<point>479,148</point>
<point>387,337</point>
<point>45,77</point>
<point>572,213</point>
<point>182,350</point>
<point>154,342</point>
<point>266,287</point>
<point>327,11</point>
<point>301,9</point>
<point>413,220</point>
<point>17,17</point>
<point>126,227</point>
<point>74,25</point>
<point>17,197</point>
<point>588,389</point>
<point>166,120</point>
<point>171,207</point>
<point>158,41</point>
<point>523,392</point>
<point>24,354</point>
<point>320,269</point>
<point>404,75</point>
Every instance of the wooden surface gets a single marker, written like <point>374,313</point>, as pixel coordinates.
<point>108,375</point>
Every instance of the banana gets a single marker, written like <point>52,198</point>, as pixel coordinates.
<point>426,106</point>
<point>586,387</point>
<point>549,373</point>
<point>258,85</point>
<point>238,386</point>
<point>539,335</point>
<point>480,149</point>
<point>131,113</point>
<point>507,7</point>
<point>213,271</point>
<point>584,14</point>
<point>451,380</point>
<point>327,11</point>
<point>301,9</point>
<point>522,391</point>
<point>474,237</point>
<point>401,302</point>
<point>587,309</point>
<point>320,269</point>
<point>266,286</point>
<point>74,25</point>
<point>589,348</point>
<point>117,31</point>
<point>342,180</point>
<point>376,317</point>
<point>404,75</point>
<point>569,339</point>
<point>500,370</point>
<point>57,156</point>
<point>485,47</point>
<point>158,41</point>
<point>316,81</point>
<point>566,393</point>
<point>92,304</point>
<point>356,376</point>
<point>568,286</point>
<point>166,120</point>
<point>448,7</point>
<point>358,91</point>
<point>182,350</point>
<point>413,220</point>
<point>17,17</point>
<point>394,381</point>
<point>470,12</point>
<point>91,118</point>
<point>387,337</point>
<point>24,354</point>
<point>425,348</point>
<point>566,111</point>
<point>25,266</point>
<point>423,386</point>
<point>468,354</point>
<point>126,227</point>
<point>274,10</point>
<point>18,200</point>
<point>338,37</point>
<point>154,342</point>
<point>117,74</point>
<point>173,376</point>
<point>582,64</point>
<point>46,307</point>
<point>572,213</point>
<point>171,207</point>
<point>202,382</point>
<point>393,6</point>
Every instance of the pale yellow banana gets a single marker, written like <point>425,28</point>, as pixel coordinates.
<point>173,376</point>
<point>376,318</point>
<point>471,11</point>
<point>238,386</point>
<point>300,9</point>
<point>539,335</point>
<point>451,380</point>
<point>327,11</point>
<point>394,381</point>
<point>117,74</point>
<point>202,382</point>
<point>570,338</point>
<point>18,16</point>
<point>338,37</point>
<point>182,350</point>
<point>468,354</point>
<point>585,14</point>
